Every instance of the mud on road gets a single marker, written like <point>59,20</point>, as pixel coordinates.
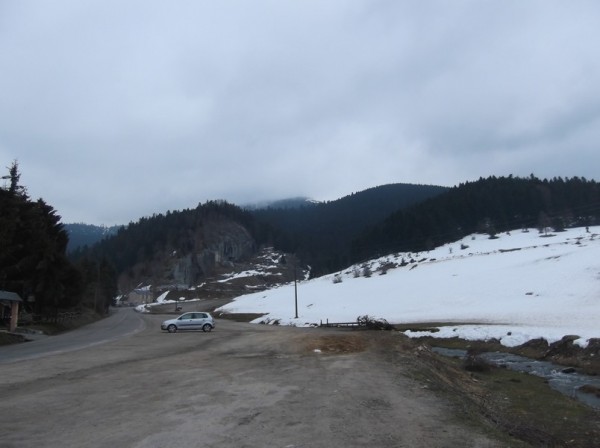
<point>241,385</point>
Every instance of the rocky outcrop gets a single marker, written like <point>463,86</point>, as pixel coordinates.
<point>193,256</point>
<point>218,243</point>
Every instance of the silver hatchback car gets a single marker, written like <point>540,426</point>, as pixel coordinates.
<point>189,321</point>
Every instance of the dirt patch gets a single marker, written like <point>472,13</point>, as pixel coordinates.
<point>239,317</point>
<point>336,344</point>
<point>262,385</point>
<point>241,385</point>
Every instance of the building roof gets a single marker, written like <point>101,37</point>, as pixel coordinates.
<point>10,296</point>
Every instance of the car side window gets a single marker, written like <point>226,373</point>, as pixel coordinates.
<point>203,316</point>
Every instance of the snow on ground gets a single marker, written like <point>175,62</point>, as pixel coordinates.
<point>517,287</point>
<point>243,274</point>
<point>269,262</point>
<point>161,300</point>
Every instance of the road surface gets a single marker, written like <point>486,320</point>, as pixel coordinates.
<point>241,385</point>
<point>121,322</point>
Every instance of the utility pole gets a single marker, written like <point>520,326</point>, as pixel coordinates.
<point>295,288</point>
<point>97,287</point>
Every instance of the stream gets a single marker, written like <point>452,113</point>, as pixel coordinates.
<point>563,379</point>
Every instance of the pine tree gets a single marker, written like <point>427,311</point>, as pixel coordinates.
<point>33,245</point>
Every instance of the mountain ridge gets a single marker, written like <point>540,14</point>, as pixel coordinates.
<point>325,237</point>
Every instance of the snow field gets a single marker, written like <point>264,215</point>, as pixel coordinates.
<point>517,287</point>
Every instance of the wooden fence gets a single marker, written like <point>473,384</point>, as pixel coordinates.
<point>341,324</point>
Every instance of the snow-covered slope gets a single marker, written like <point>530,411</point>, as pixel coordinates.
<point>517,287</point>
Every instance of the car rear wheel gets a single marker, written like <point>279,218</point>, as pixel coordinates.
<point>206,327</point>
<point>171,328</point>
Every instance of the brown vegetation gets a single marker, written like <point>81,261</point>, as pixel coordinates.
<point>522,405</point>
<point>336,343</point>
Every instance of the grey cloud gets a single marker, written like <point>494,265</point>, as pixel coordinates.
<point>117,110</point>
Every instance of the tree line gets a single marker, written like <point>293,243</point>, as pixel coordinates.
<point>162,234</point>
<point>321,234</point>
<point>490,205</point>
<point>33,260</point>
<point>391,218</point>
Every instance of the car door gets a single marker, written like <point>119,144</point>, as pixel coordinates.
<point>186,321</point>
<point>202,319</point>
<point>196,321</point>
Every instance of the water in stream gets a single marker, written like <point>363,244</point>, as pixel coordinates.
<point>557,376</point>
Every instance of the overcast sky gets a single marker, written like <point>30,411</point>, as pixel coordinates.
<point>118,109</point>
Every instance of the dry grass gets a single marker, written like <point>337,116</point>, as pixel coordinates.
<point>337,343</point>
<point>521,405</point>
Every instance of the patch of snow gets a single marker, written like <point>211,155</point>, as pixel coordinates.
<point>514,288</point>
<point>145,308</point>
<point>142,309</point>
<point>162,297</point>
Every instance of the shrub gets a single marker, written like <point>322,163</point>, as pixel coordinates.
<point>473,362</point>
<point>366,271</point>
<point>374,323</point>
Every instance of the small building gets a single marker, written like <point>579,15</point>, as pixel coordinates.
<point>10,303</point>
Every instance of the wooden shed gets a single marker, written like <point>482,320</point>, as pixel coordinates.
<point>11,300</point>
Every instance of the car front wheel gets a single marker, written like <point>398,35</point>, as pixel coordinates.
<point>171,328</point>
<point>206,327</point>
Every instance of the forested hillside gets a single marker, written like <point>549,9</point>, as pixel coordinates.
<point>329,236</point>
<point>489,206</point>
<point>157,249</point>
<point>180,247</point>
<point>81,234</point>
<point>321,233</point>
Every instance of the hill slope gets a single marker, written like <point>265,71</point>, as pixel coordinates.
<point>185,248</point>
<point>81,234</point>
<point>490,205</point>
<point>517,287</point>
<point>321,233</point>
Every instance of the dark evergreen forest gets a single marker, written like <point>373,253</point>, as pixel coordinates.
<point>321,233</point>
<point>33,260</point>
<point>154,236</point>
<point>318,233</point>
<point>81,234</point>
<point>491,205</point>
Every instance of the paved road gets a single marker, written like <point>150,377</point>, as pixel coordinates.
<point>241,385</point>
<point>120,323</point>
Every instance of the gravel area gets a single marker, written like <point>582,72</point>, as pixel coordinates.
<point>241,385</point>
